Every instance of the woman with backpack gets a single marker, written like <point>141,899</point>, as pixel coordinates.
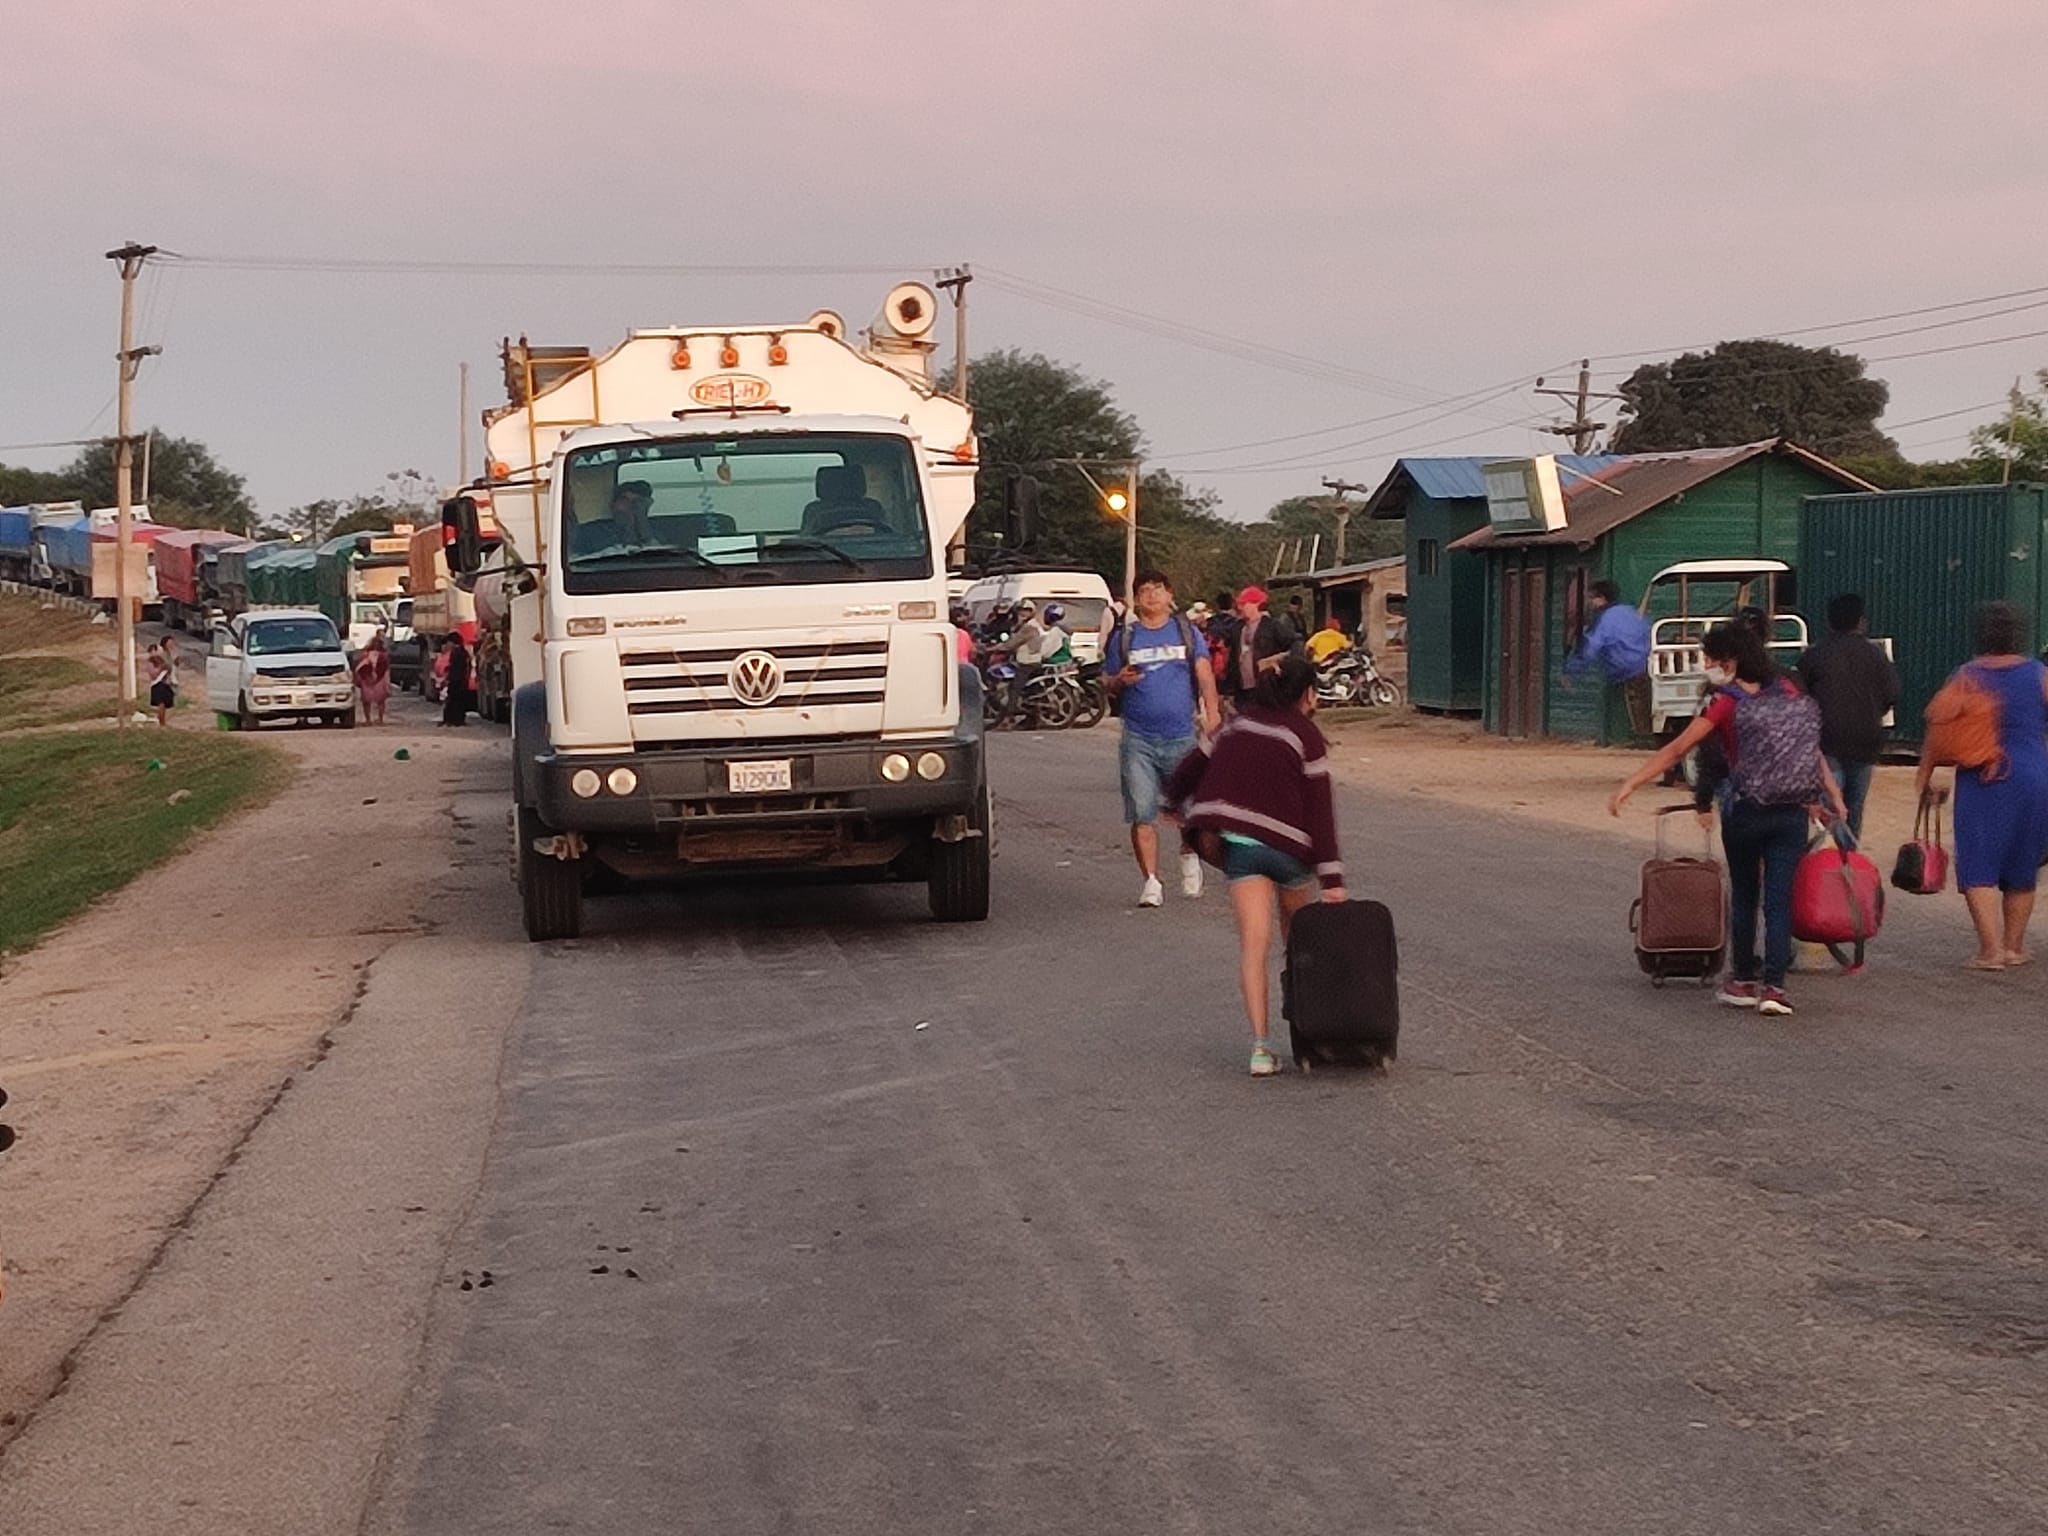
<point>1770,732</point>
<point>1991,721</point>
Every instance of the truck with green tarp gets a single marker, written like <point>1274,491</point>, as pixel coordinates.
<point>359,578</point>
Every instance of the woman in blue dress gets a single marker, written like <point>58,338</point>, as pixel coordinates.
<point>2002,822</point>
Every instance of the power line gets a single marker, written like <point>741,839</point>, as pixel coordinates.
<point>443,267</point>
<point>66,442</point>
<point>1213,341</point>
<point>1487,392</point>
<point>1843,325</point>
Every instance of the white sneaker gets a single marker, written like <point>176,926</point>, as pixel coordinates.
<point>1154,894</point>
<point>1190,875</point>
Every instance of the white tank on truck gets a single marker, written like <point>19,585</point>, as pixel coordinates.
<point>722,598</point>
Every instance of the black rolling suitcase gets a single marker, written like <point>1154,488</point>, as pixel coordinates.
<point>1340,991</point>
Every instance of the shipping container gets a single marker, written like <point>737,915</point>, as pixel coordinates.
<point>178,555</point>
<point>67,545</point>
<point>1923,561</point>
<point>283,575</point>
<point>16,526</point>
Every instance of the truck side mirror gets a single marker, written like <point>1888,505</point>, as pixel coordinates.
<point>1020,511</point>
<point>462,535</point>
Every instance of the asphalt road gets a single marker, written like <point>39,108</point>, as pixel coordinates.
<point>805,1214</point>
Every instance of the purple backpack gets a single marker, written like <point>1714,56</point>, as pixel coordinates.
<point>1777,746</point>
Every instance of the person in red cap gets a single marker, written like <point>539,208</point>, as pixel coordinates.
<point>1262,642</point>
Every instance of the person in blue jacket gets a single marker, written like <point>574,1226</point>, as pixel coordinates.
<point>1618,643</point>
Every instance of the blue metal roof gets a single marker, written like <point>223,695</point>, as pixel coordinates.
<point>1451,479</point>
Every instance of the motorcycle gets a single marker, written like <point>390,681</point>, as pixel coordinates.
<point>1353,678</point>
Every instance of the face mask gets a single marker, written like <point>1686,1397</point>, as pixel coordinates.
<point>1720,677</point>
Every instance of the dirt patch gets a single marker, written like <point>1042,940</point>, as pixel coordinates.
<point>1564,783</point>
<point>144,1039</point>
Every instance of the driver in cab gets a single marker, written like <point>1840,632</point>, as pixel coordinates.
<point>625,523</point>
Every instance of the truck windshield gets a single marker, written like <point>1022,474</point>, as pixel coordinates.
<point>775,507</point>
<point>282,637</point>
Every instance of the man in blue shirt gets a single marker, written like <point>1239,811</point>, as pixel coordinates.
<point>1618,643</point>
<point>1158,666</point>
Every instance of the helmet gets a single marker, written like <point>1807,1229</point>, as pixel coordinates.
<point>1054,613</point>
<point>1027,606</point>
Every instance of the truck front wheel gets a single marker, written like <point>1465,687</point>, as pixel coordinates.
<point>958,884</point>
<point>550,889</point>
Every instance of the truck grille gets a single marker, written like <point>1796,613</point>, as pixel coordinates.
<point>814,675</point>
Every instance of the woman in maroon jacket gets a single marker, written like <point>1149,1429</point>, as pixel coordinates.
<point>1257,796</point>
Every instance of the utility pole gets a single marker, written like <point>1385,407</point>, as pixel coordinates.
<point>2012,432</point>
<point>462,452</point>
<point>1581,429</point>
<point>955,283</point>
<point>131,257</point>
<point>1341,509</point>
<point>1117,490</point>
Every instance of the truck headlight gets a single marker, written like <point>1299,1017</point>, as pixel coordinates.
<point>584,783</point>
<point>931,766</point>
<point>340,677</point>
<point>622,781</point>
<point>895,767</point>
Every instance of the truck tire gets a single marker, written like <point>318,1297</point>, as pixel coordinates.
<point>958,883</point>
<point>346,722</point>
<point>248,717</point>
<point>550,889</point>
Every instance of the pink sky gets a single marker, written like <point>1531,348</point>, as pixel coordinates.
<point>1442,194</point>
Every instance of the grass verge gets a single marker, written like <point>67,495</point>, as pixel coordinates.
<point>82,813</point>
<point>52,690</point>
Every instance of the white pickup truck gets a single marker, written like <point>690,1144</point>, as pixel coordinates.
<point>279,664</point>
<point>1706,593</point>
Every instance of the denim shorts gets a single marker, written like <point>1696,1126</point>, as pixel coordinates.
<point>1257,861</point>
<point>1144,763</point>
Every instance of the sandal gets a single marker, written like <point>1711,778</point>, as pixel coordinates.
<point>1979,963</point>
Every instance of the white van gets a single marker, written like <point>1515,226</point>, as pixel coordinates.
<point>1083,594</point>
<point>280,663</point>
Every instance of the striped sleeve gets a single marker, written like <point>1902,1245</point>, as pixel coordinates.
<point>1320,789</point>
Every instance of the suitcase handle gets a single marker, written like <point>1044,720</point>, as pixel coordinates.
<point>1635,913</point>
<point>1662,811</point>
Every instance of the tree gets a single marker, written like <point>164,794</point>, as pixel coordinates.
<point>409,497</point>
<point>188,487</point>
<point>2020,438</point>
<point>1745,391</point>
<point>1029,414</point>
<point>1304,517</point>
<point>19,486</point>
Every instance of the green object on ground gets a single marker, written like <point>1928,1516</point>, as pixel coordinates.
<point>156,765</point>
<point>403,755</point>
<point>76,821</point>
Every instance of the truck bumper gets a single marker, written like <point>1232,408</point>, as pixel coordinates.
<point>688,791</point>
<point>284,703</point>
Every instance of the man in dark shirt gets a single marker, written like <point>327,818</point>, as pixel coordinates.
<point>1856,686</point>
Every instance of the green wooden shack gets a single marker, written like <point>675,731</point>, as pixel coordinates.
<point>1440,501</point>
<point>1625,521</point>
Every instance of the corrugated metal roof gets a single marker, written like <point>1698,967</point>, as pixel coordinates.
<point>1634,484</point>
<point>1456,479</point>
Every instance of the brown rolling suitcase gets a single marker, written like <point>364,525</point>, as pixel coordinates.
<point>1680,921</point>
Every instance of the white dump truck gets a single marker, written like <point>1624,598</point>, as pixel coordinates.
<point>722,588</point>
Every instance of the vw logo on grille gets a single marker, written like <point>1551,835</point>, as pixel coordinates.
<point>756,678</point>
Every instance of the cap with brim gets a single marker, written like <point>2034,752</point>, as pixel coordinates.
<point>1255,596</point>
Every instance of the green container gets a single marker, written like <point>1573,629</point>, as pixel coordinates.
<point>1923,561</point>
